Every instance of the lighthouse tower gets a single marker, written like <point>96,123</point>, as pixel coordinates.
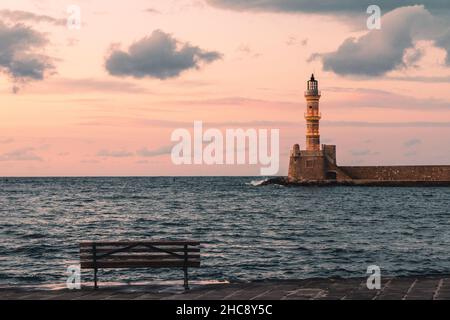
<point>312,115</point>
<point>316,162</point>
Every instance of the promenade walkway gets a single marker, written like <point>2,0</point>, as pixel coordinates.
<point>406,288</point>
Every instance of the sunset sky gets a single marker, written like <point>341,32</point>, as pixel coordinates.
<point>103,100</point>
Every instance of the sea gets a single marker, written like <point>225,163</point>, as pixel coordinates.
<point>248,231</point>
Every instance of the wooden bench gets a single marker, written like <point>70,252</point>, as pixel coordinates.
<point>140,254</point>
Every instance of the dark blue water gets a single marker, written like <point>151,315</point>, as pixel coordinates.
<point>249,232</point>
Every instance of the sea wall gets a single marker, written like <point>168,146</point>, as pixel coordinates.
<point>404,173</point>
<point>309,168</point>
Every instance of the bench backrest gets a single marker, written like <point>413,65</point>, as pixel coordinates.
<point>139,254</point>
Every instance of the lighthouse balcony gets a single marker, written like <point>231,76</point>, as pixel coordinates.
<point>313,92</point>
<point>313,116</point>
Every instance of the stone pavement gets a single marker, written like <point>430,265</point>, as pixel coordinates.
<point>402,288</point>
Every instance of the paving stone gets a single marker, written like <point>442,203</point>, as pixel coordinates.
<point>390,297</point>
<point>418,297</point>
<point>410,288</point>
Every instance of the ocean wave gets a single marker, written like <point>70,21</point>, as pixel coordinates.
<point>256,183</point>
<point>246,232</point>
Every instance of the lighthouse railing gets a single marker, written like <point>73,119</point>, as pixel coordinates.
<point>313,115</point>
<point>313,93</point>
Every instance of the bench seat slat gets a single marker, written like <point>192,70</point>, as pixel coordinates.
<point>127,243</point>
<point>137,249</point>
<point>139,264</point>
<point>138,256</point>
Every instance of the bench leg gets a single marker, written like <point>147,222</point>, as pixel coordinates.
<point>95,279</point>
<point>186,284</point>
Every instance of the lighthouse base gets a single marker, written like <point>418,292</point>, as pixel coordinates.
<point>320,168</point>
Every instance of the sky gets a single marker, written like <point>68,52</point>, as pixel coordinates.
<point>104,99</point>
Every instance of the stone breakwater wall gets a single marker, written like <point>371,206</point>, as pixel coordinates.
<point>399,173</point>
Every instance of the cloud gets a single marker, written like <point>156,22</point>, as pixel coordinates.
<point>63,154</point>
<point>19,54</point>
<point>89,161</point>
<point>361,124</point>
<point>380,51</point>
<point>139,122</point>
<point>158,56</point>
<point>114,154</point>
<point>373,98</point>
<point>443,41</point>
<point>24,16</point>
<point>70,42</point>
<point>240,101</point>
<point>6,140</point>
<point>412,142</point>
<point>412,56</point>
<point>152,10</point>
<point>410,154</point>
<point>323,6</point>
<point>156,152</point>
<point>24,154</point>
<point>293,41</point>
<point>245,49</point>
<point>184,124</point>
<point>83,85</point>
<point>435,79</point>
<point>362,153</point>
<point>142,162</point>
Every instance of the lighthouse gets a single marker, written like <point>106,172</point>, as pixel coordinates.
<point>312,115</point>
<point>316,162</point>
